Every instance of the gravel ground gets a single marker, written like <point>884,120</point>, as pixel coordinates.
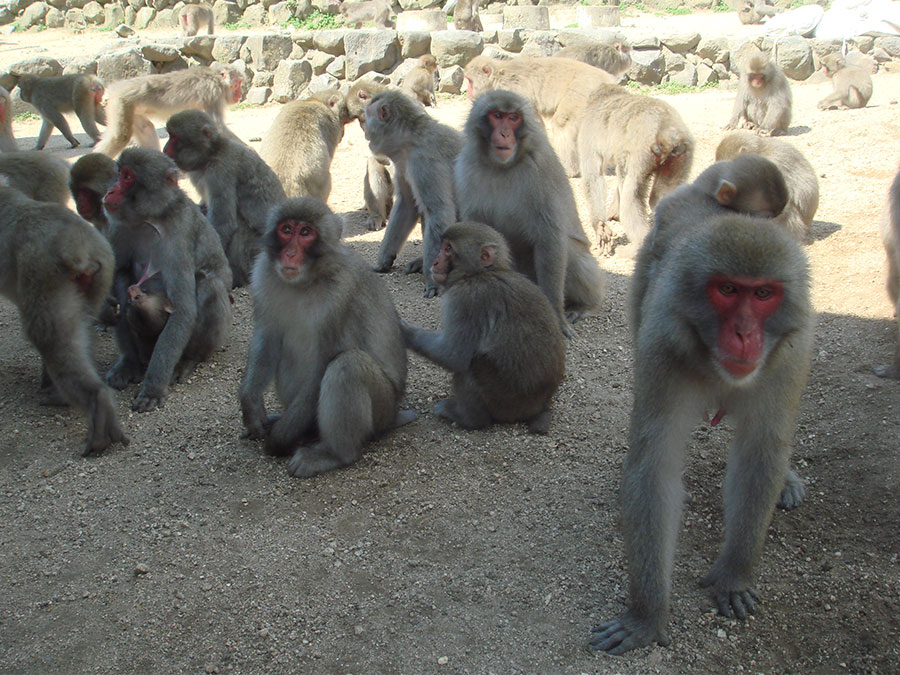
<point>452,551</point>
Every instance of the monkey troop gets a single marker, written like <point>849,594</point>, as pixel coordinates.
<point>720,313</point>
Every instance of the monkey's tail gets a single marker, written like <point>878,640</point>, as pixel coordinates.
<point>119,116</point>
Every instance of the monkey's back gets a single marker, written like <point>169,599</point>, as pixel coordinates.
<point>521,354</point>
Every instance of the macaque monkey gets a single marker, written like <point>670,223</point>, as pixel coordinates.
<point>239,188</point>
<point>558,89</point>
<point>764,97</point>
<point>514,182</point>
<point>326,331</point>
<point>651,149</point>
<point>37,175</point>
<point>157,230</point>
<point>53,96</point>
<point>465,16</point>
<point>726,323</point>
<point>499,336</point>
<point>378,185</point>
<point>801,180</point>
<point>194,17</point>
<point>419,82</point>
<point>132,102</point>
<point>852,85</point>
<point>614,58</point>
<point>890,236</point>
<point>300,144</point>
<point>423,151</point>
<point>7,140</point>
<point>147,310</point>
<point>754,11</point>
<point>355,14</point>
<point>58,271</point>
<point>89,179</point>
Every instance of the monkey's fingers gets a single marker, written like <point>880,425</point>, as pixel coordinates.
<point>415,266</point>
<point>624,634</point>
<point>736,604</point>
<point>144,402</point>
<point>792,493</point>
<point>430,291</point>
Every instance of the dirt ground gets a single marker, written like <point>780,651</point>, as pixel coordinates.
<point>452,551</point>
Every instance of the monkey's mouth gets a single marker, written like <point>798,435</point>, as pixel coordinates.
<point>290,272</point>
<point>503,152</point>
<point>738,369</point>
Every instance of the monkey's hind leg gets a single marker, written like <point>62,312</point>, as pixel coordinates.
<point>356,402</point>
<point>467,406</point>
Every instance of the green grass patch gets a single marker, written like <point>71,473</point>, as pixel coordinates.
<point>27,115</point>
<point>670,87</point>
<point>677,11</point>
<point>237,25</point>
<point>721,7</point>
<point>318,20</point>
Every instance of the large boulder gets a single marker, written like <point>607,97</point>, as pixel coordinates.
<point>291,78</point>
<point>368,50</point>
<point>266,51</point>
<point>122,64</point>
<point>455,47</point>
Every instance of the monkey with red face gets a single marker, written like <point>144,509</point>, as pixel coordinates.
<point>725,323</point>
<point>326,331</point>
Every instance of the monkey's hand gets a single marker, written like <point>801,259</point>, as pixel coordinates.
<point>734,598</point>
<point>408,330</point>
<point>626,633</point>
<point>414,266</point>
<point>123,373</point>
<point>147,399</point>
<point>256,424</point>
<point>384,264</point>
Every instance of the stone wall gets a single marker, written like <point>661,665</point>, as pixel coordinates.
<point>281,66</point>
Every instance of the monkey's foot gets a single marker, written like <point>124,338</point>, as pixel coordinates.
<point>311,461</point>
<point>51,397</point>
<point>103,427</point>
<point>626,633</point>
<point>414,266</point>
<point>374,224</point>
<point>890,371</point>
<point>540,423</point>
<point>184,369</point>
<point>122,374</point>
<point>384,265</point>
<point>733,598</point>
<point>74,144</point>
<point>430,291</point>
<point>793,492</point>
<point>404,417</point>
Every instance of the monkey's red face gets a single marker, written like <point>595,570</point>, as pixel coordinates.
<point>469,91</point>
<point>296,238</point>
<point>504,126</point>
<point>743,305</point>
<point>236,92</point>
<point>116,194</point>
<point>86,202</point>
<point>757,80</point>
<point>171,144</point>
<point>443,263</point>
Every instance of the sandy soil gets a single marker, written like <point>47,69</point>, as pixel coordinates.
<point>452,551</point>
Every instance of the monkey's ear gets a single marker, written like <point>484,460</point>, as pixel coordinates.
<point>334,100</point>
<point>486,69</point>
<point>726,193</point>
<point>488,254</point>
<point>207,131</point>
<point>384,112</point>
<point>172,178</point>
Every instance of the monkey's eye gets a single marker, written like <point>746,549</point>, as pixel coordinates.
<point>763,293</point>
<point>727,288</point>
<point>306,231</point>
<point>127,175</point>
<point>285,230</point>
<point>497,114</point>
<point>513,117</point>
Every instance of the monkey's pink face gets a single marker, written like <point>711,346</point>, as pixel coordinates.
<point>757,80</point>
<point>470,92</point>
<point>443,263</point>
<point>296,238</point>
<point>504,126</point>
<point>742,305</point>
<point>171,144</point>
<point>116,194</point>
<point>86,203</point>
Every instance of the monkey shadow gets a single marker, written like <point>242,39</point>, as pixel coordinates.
<point>822,229</point>
<point>58,145</point>
<point>798,130</point>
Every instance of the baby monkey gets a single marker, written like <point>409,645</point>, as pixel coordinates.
<point>500,337</point>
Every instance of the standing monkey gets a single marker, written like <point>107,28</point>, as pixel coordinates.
<point>499,336</point>
<point>647,143</point>
<point>508,177</point>
<point>326,331</point>
<point>163,95</point>
<point>852,85</point>
<point>465,16</point>
<point>726,323</point>
<point>419,82</point>
<point>355,14</point>
<point>58,270</point>
<point>378,186</point>
<point>753,11</point>
<point>423,151</point>
<point>890,236</point>
<point>7,140</point>
<point>89,179</point>
<point>801,180</point>
<point>614,58</point>
<point>300,144</point>
<point>53,96</point>
<point>238,186</point>
<point>193,17</point>
<point>557,88</point>
<point>157,230</point>
<point>37,175</point>
<point>764,97</point>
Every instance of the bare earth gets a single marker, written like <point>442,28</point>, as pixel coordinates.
<point>452,551</point>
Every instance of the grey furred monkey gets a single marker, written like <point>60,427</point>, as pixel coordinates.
<point>326,332</point>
